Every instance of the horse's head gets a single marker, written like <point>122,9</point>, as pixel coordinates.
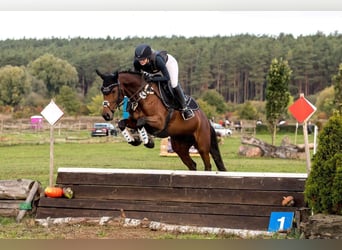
<point>111,94</point>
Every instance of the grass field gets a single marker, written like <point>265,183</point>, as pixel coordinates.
<point>28,155</point>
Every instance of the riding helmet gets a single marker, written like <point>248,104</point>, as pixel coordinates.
<point>143,51</point>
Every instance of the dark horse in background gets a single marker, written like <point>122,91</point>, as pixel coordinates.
<point>150,109</point>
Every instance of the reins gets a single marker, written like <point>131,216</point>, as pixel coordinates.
<point>134,99</point>
<point>140,94</point>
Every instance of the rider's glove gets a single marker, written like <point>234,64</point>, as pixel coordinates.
<point>148,77</point>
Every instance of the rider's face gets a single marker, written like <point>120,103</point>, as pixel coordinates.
<point>143,61</point>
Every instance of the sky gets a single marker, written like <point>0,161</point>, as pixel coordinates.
<point>123,24</point>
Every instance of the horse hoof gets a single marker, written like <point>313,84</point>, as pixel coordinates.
<point>150,144</point>
<point>135,143</point>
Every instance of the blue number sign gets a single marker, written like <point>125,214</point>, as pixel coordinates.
<point>280,221</point>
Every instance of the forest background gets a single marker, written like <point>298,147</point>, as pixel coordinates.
<point>226,75</point>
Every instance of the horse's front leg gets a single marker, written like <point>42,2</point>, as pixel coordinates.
<point>144,136</point>
<point>123,125</point>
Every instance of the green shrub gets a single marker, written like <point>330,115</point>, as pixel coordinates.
<point>323,189</point>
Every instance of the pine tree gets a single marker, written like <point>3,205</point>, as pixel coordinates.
<point>323,189</point>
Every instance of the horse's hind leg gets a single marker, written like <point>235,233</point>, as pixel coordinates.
<point>203,148</point>
<point>182,150</point>
<point>206,160</point>
<point>186,159</point>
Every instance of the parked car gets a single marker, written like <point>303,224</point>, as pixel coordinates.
<point>220,130</point>
<point>103,129</point>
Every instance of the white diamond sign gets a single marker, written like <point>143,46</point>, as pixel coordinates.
<point>52,113</point>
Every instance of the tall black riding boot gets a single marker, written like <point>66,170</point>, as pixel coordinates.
<point>179,94</point>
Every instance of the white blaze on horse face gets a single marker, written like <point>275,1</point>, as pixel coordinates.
<point>107,112</point>
<point>105,104</point>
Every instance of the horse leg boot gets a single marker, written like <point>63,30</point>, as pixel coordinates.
<point>126,134</point>
<point>179,94</point>
<point>148,142</point>
<point>143,135</point>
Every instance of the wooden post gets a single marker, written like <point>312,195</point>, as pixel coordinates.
<point>306,144</point>
<point>52,114</point>
<point>307,148</point>
<point>296,132</point>
<point>302,110</point>
<point>59,128</point>
<point>29,199</point>
<point>315,139</point>
<point>51,156</point>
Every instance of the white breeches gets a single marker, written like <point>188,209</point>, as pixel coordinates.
<point>172,67</point>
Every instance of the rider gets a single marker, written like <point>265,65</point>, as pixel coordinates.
<point>153,62</point>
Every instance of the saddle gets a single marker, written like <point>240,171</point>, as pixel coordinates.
<point>168,99</point>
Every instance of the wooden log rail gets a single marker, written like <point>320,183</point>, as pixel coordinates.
<point>18,196</point>
<point>206,199</point>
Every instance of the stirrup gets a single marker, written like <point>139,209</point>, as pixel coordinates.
<point>187,114</point>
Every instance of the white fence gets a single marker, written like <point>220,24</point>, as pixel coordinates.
<point>25,125</point>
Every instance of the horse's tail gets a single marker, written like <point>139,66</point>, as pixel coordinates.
<point>215,151</point>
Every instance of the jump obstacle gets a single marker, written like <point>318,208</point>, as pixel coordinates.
<point>18,197</point>
<point>233,200</point>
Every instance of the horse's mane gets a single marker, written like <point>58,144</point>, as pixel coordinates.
<point>130,72</point>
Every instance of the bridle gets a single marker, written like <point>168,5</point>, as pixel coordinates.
<point>108,90</point>
<point>133,99</point>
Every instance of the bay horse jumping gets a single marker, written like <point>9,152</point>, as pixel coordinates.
<point>150,114</point>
